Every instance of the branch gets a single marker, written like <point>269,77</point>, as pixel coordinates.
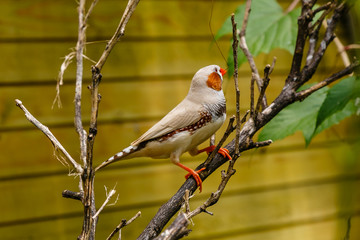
<point>177,229</point>
<point>91,8</point>
<point>302,33</point>
<point>247,53</point>
<point>78,82</point>
<point>108,197</point>
<point>286,97</point>
<point>122,224</point>
<point>309,69</point>
<point>130,8</point>
<point>52,138</point>
<point>305,93</point>
<point>267,71</point>
<point>235,46</point>
<point>73,195</point>
<point>169,209</point>
<point>214,197</point>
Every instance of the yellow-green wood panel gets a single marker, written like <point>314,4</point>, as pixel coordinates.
<point>285,191</point>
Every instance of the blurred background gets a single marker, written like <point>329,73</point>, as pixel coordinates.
<point>285,191</point>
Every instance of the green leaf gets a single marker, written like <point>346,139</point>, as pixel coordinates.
<point>321,110</point>
<point>299,116</point>
<point>268,28</point>
<point>338,97</point>
<point>349,110</point>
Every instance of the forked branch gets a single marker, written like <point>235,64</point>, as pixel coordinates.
<point>297,77</point>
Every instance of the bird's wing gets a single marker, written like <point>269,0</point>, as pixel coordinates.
<point>182,115</point>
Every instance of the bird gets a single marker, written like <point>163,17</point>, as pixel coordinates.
<point>194,120</point>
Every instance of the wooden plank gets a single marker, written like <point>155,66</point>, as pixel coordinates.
<point>287,211</point>
<point>42,19</point>
<point>37,152</point>
<point>155,180</point>
<point>121,101</point>
<point>40,63</point>
<point>331,228</point>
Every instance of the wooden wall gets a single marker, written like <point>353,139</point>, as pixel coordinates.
<point>286,191</point>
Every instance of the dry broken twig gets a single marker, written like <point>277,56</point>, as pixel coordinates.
<point>48,133</point>
<point>86,180</point>
<point>235,47</point>
<point>122,224</point>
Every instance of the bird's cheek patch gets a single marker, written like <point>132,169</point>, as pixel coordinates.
<point>214,81</point>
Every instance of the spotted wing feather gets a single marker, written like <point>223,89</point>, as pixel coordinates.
<point>180,117</point>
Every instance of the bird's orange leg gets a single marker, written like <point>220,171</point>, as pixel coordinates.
<point>222,151</point>
<point>193,173</point>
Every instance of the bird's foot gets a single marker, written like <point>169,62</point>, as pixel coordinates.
<point>196,176</point>
<point>193,173</point>
<point>223,151</point>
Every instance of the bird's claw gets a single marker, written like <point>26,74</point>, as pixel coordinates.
<point>223,151</point>
<point>196,176</point>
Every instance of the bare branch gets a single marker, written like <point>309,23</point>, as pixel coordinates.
<point>302,33</point>
<point>308,71</point>
<point>340,48</point>
<point>108,197</point>
<point>305,93</point>
<point>186,201</point>
<point>91,8</point>
<point>252,96</point>
<point>122,224</point>
<point>78,83</point>
<point>247,53</point>
<point>235,46</point>
<point>178,229</point>
<point>267,71</point>
<point>130,8</point>
<point>60,79</point>
<point>214,197</point>
<point>73,195</point>
<point>48,134</point>
<point>286,97</point>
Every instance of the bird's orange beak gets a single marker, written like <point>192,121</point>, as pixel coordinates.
<point>222,71</point>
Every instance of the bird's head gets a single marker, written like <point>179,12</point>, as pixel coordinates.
<point>208,79</point>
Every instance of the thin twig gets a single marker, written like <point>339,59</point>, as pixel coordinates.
<point>108,197</point>
<point>177,229</point>
<point>267,71</point>
<point>186,201</point>
<point>60,79</point>
<point>48,134</point>
<point>340,48</point>
<point>79,78</point>
<point>214,197</point>
<point>122,224</point>
<point>252,96</point>
<point>91,8</point>
<point>73,195</point>
<point>246,51</point>
<point>130,8</point>
<point>304,93</point>
<point>235,46</point>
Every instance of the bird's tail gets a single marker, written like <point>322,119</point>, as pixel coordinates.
<point>119,156</point>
